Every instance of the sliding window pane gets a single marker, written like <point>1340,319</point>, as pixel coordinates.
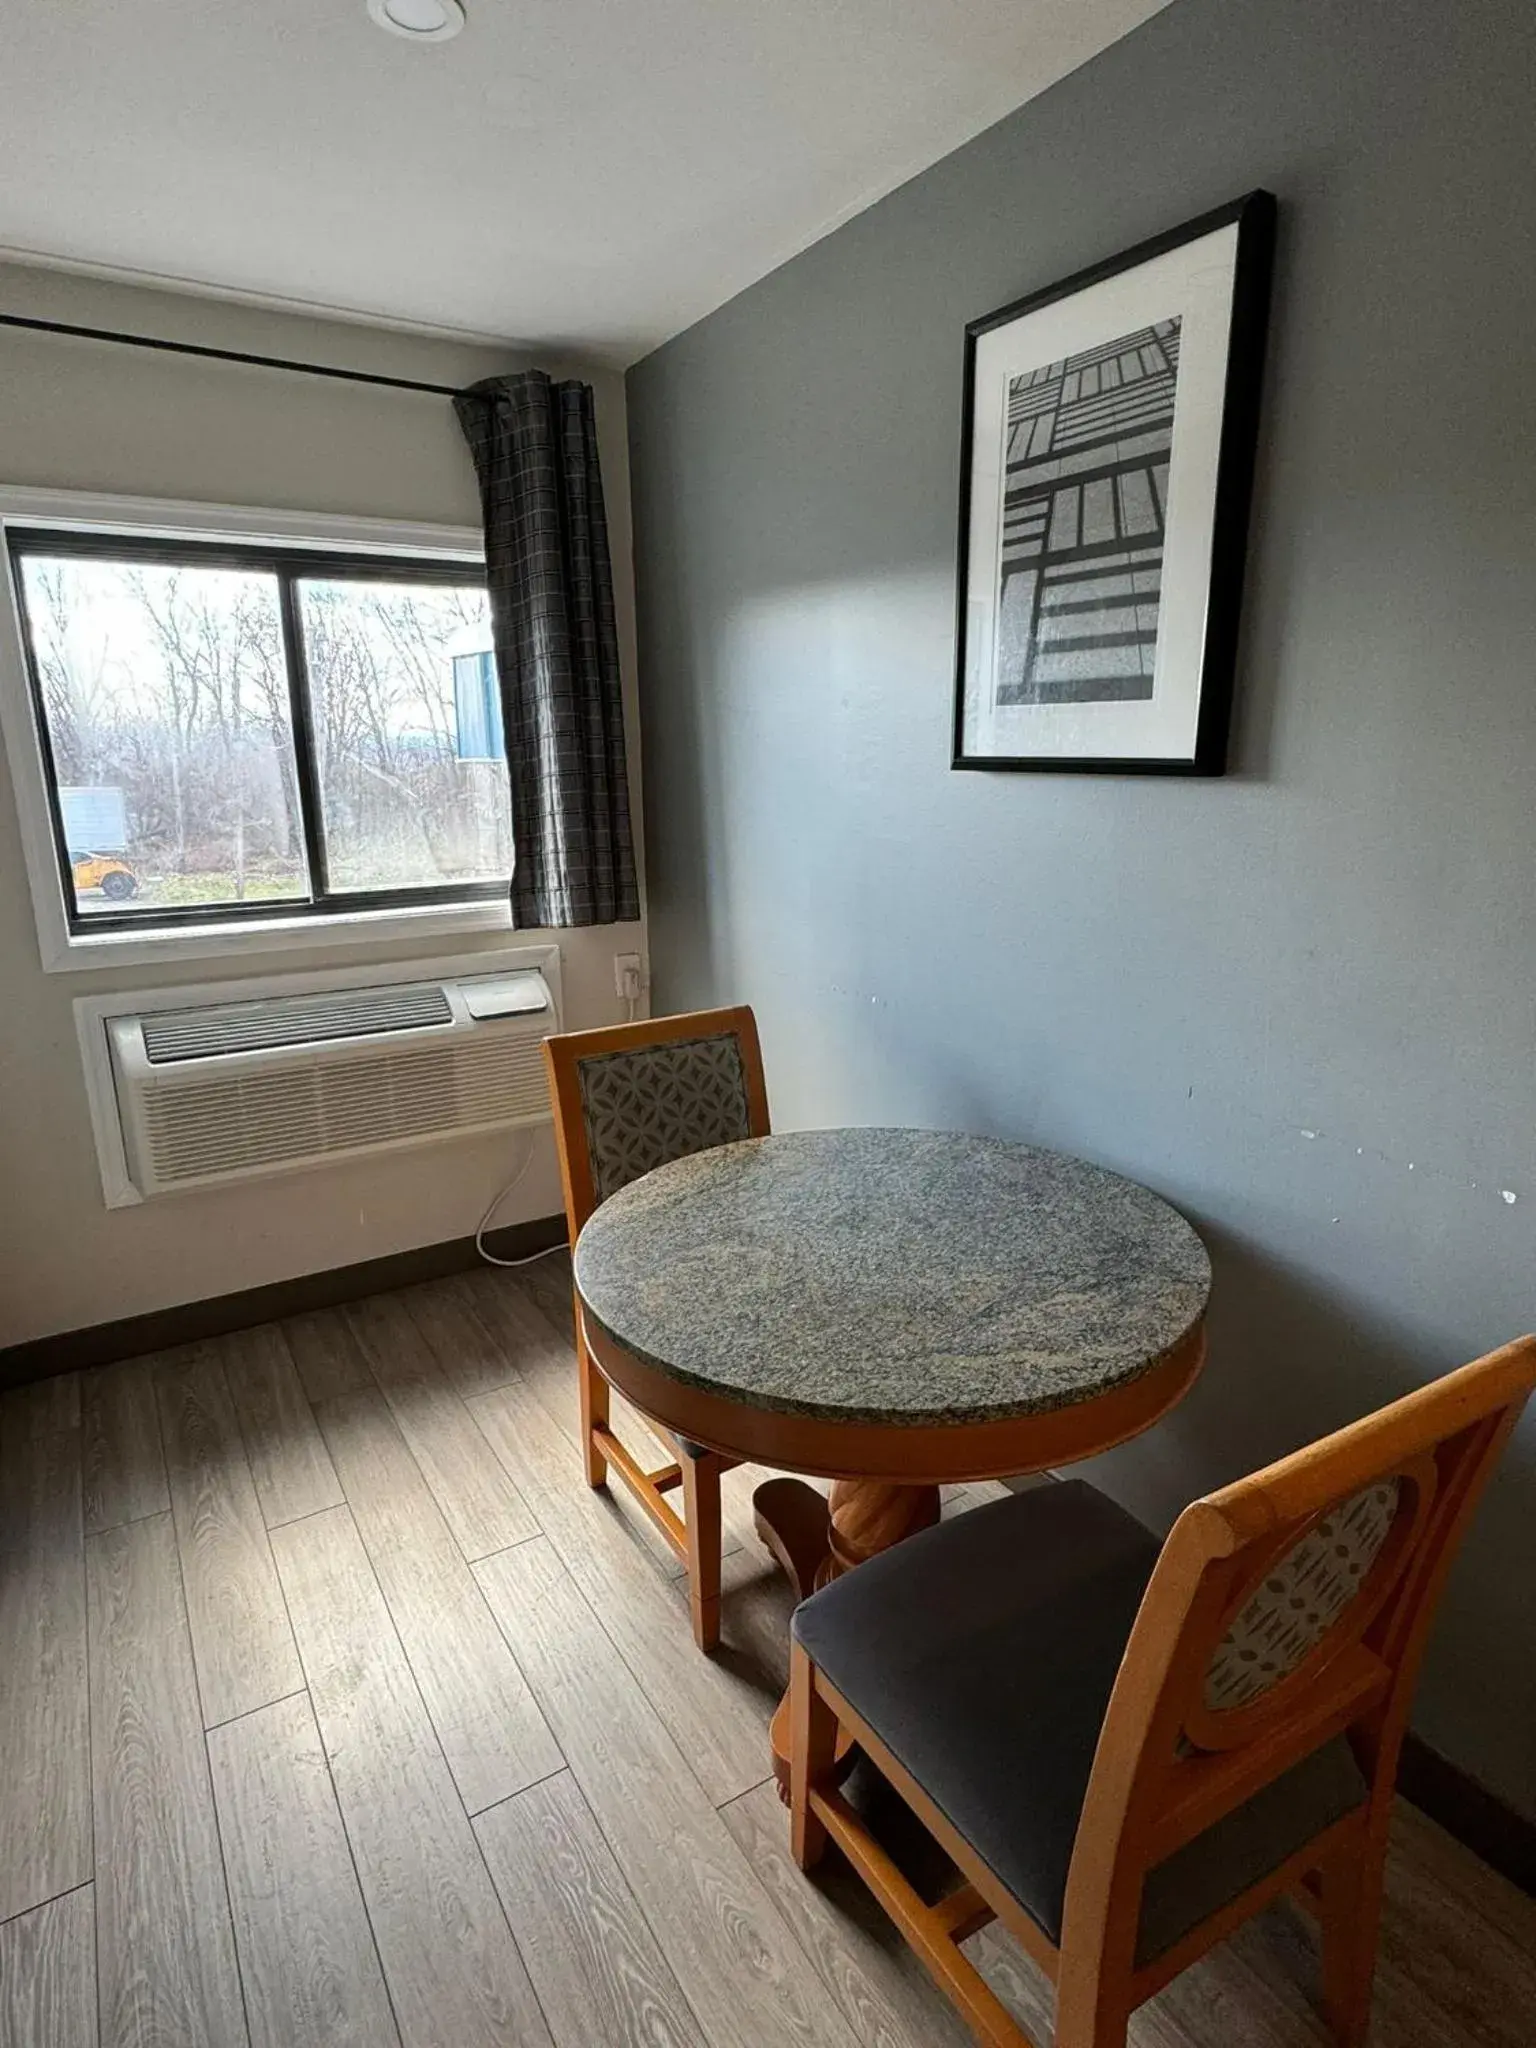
<point>408,744</point>
<point>166,699</point>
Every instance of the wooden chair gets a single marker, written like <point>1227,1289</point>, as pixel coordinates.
<point>1127,1749</point>
<point>629,1099</point>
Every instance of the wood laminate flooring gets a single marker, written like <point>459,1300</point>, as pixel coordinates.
<point>335,1708</point>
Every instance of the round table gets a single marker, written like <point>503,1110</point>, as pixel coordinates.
<point>893,1310</point>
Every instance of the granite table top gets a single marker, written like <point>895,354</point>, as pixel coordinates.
<point>892,1276</point>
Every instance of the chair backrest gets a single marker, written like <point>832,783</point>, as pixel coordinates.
<point>1286,1610</point>
<point>633,1097</point>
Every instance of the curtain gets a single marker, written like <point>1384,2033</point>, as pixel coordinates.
<point>534,445</point>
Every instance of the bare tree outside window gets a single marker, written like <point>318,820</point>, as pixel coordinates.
<point>168,718</point>
<point>399,802</point>
<point>167,689</point>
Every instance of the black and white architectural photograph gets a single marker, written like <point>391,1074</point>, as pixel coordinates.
<point>1107,463</point>
<point>1084,499</point>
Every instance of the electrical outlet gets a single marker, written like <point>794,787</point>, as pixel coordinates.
<point>628,977</point>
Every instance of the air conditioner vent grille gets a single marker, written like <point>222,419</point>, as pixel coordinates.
<point>219,1124</point>
<point>171,1035</point>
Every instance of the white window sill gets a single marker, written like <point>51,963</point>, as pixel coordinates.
<point>86,952</point>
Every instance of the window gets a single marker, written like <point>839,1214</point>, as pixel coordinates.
<point>236,731</point>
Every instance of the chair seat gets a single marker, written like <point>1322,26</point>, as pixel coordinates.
<point>983,1653</point>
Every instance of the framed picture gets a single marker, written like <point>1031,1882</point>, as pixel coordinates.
<point>1106,469</point>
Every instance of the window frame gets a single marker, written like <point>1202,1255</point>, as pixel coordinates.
<point>34,522</point>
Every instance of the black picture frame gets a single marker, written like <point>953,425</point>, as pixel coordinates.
<point>1230,499</point>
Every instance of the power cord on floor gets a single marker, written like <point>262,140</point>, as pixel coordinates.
<point>497,1199</point>
<point>490,1258</point>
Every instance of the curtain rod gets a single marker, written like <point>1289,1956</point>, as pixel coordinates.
<point>224,355</point>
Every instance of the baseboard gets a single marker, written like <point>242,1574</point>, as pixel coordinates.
<point>187,1322</point>
<point>1479,1819</point>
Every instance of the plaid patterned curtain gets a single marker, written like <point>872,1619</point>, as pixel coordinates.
<point>551,586</point>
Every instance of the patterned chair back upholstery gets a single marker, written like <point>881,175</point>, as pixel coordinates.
<point>1300,1598</point>
<point>1275,1652</point>
<point>646,1105</point>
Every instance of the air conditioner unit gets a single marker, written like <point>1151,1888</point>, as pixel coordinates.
<point>219,1091</point>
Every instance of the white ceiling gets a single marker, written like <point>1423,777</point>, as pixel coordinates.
<point>593,173</point>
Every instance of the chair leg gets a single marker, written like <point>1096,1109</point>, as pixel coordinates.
<point>701,1507</point>
<point>1093,1978</point>
<point>1350,1916</point>
<point>1108,2030</point>
<point>1087,2014</point>
<point>812,1757</point>
<point>594,1411</point>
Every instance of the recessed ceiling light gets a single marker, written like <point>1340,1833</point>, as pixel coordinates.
<point>420,21</point>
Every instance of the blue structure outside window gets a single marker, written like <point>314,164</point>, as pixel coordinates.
<point>477,707</point>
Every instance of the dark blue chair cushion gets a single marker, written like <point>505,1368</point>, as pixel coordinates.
<point>983,1653</point>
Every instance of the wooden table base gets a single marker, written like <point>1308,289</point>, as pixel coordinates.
<point>816,1540</point>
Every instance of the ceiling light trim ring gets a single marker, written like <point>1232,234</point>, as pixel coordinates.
<point>418,21</point>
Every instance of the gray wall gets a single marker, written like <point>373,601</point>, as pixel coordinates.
<point>1298,1001</point>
